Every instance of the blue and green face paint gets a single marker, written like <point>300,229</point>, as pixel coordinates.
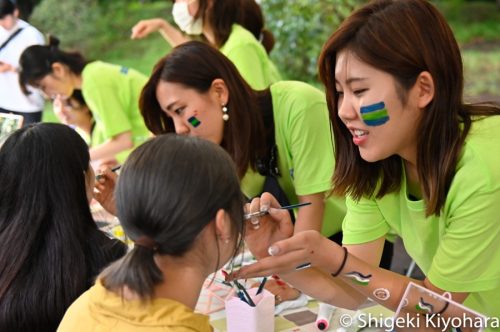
<point>375,114</point>
<point>194,121</point>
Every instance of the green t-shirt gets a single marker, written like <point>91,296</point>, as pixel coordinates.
<point>305,149</point>
<point>250,57</point>
<point>112,94</point>
<point>459,251</point>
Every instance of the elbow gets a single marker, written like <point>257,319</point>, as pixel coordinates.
<point>124,140</point>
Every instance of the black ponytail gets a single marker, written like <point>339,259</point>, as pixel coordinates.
<point>36,62</point>
<point>137,269</point>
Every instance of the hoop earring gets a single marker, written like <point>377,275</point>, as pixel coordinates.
<point>225,116</point>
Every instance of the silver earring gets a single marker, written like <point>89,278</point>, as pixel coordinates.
<point>225,116</point>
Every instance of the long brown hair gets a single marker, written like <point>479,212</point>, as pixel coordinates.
<point>403,38</point>
<point>196,65</point>
<point>221,15</point>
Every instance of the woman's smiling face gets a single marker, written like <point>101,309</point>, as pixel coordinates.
<point>193,113</point>
<point>371,105</point>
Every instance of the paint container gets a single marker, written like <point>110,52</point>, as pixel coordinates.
<point>241,317</point>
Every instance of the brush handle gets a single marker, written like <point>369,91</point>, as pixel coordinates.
<point>257,214</point>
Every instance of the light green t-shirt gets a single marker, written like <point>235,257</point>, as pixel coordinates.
<point>101,310</point>
<point>460,250</point>
<point>305,149</point>
<point>112,94</point>
<point>250,57</point>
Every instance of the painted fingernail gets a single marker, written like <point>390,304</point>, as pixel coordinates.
<point>273,250</point>
<point>255,221</point>
<point>264,206</point>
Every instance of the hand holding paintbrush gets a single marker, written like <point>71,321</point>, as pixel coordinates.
<point>104,188</point>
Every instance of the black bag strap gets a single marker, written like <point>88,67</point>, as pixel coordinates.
<point>268,166</point>
<point>10,38</point>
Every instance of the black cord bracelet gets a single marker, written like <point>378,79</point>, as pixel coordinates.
<point>445,307</point>
<point>344,260</point>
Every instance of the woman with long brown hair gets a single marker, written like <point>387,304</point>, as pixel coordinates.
<point>412,157</point>
<point>279,138</point>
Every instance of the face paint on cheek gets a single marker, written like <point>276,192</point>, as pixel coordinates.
<point>194,121</point>
<point>375,114</point>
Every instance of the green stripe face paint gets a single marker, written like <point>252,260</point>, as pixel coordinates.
<point>375,114</point>
<point>194,121</point>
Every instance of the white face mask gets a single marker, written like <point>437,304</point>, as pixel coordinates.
<point>185,21</point>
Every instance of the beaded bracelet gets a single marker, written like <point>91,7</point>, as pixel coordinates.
<point>344,260</point>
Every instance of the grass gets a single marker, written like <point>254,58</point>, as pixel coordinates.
<point>482,79</point>
<point>472,22</point>
<point>476,26</point>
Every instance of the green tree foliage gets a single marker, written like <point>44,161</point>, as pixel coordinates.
<point>72,21</point>
<point>301,27</point>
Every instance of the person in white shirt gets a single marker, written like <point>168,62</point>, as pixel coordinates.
<point>15,36</point>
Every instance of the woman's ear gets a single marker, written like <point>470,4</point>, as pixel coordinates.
<point>425,89</point>
<point>59,70</point>
<point>220,90</point>
<point>223,226</point>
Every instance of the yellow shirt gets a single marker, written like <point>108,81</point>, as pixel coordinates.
<point>100,310</point>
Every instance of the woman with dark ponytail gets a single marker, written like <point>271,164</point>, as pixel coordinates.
<point>179,201</point>
<point>235,27</point>
<point>111,92</point>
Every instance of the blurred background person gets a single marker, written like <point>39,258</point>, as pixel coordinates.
<point>110,91</point>
<point>235,27</point>
<point>15,36</point>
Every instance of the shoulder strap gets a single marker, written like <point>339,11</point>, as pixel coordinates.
<point>268,166</point>
<point>10,38</point>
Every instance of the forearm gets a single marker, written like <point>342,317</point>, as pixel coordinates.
<point>172,35</point>
<point>325,288</point>
<point>5,67</point>
<point>383,286</point>
<point>110,148</point>
<point>310,217</point>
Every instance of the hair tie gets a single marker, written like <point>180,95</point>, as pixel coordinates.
<point>146,242</point>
